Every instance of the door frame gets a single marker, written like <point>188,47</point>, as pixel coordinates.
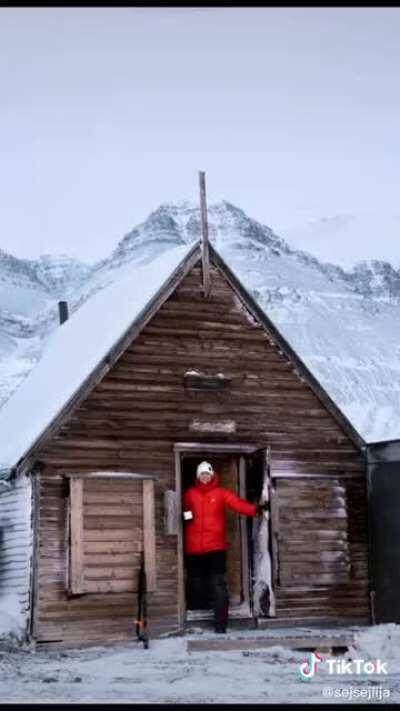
<point>239,449</point>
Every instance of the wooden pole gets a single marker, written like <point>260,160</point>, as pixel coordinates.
<point>204,235</point>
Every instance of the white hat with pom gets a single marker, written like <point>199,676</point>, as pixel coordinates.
<point>204,467</point>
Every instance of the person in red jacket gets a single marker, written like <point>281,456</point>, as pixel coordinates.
<point>205,539</point>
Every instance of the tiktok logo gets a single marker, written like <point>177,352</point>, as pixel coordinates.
<point>308,669</point>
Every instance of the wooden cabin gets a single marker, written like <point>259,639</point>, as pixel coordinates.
<point>189,377</point>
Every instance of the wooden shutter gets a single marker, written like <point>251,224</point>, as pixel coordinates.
<point>310,524</point>
<point>76,536</point>
<point>111,522</point>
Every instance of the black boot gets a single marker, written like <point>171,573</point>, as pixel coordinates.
<point>220,628</point>
<point>220,599</point>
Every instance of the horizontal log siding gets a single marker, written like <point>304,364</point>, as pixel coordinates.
<point>322,532</point>
<point>133,417</point>
<point>16,545</point>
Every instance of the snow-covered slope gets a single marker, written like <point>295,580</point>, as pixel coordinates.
<point>344,324</point>
<point>348,238</point>
<point>29,290</point>
<point>98,325</point>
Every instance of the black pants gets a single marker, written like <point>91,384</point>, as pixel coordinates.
<point>206,584</point>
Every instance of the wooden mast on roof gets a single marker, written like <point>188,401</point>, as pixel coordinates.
<point>204,236</point>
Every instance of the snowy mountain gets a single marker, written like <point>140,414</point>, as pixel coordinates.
<point>343,323</point>
<point>338,238</point>
<point>29,290</point>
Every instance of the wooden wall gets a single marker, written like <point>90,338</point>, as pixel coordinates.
<point>228,471</point>
<point>133,417</point>
<point>16,546</point>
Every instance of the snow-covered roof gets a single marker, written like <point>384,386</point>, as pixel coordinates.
<point>74,351</point>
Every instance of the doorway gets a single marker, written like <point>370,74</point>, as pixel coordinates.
<point>239,473</point>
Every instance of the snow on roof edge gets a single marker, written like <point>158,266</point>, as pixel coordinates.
<point>292,353</point>
<point>167,263</point>
<point>93,330</point>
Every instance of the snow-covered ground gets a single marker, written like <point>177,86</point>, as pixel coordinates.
<point>168,673</point>
<point>11,621</point>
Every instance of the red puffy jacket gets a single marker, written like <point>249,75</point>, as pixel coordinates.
<point>205,532</point>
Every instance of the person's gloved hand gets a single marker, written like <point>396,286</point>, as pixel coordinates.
<point>262,507</point>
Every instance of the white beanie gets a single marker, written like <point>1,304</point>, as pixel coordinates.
<point>204,467</point>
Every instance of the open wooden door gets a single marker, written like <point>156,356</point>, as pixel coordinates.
<point>265,558</point>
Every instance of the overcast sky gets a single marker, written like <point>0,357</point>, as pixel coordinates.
<point>105,113</point>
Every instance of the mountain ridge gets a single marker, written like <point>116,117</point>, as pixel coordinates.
<point>320,308</point>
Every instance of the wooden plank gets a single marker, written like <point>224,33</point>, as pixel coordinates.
<point>112,547</point>
<point>106,510</point>
<point>171,512</point>
<point>329,499</point>
<point>315,525</point>
<point>112,559</point>
<point>305,475</point>
<point>131,488</point>
<point>292,642</point>
<point>103,523</point>
<point>109,535</point>
<point>205,252</point>
<point>109,474</point>
<point>243,447</point>
<point>111,497</point>
<point>149,534</point>
<point>79,614</point>
<point>288,516</point>
<point>212,426</point>
<point>300,565</point>
<point>291,551</point>
<point>125,572</point>
<point>110,586</point>
<point>76,523</point>
<point>289,579</point>
<point>34,592</point>
<point>333,613</point>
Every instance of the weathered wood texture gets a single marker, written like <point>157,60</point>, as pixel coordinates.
<point>107,532</point>
<point>76,553</point>
<point>132,418</point>
<point>205,251</point>
<point>149,535</point>
<point>322,561</point>
<point>16,543</point>
<point>228,472</point>
<point>294,642</point>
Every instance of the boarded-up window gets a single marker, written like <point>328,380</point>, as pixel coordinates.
<point>310,526</point>
<point>111,521</point>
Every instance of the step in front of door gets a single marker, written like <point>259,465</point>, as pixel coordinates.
<point>313,642</point>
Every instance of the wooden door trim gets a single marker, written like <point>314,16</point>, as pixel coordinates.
<point>234,448</point>
<point>180,572</point>
<point>245,571</point>
<point>181,448</point>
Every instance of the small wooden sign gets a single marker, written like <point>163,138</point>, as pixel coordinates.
<point>225,426</point>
